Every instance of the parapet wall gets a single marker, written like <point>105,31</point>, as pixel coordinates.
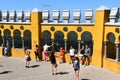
<point>25,16</point>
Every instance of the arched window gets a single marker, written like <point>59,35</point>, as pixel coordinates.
<point>87,40</point>
<point>111,46</point>
<point>1,40</point>
<point>59,40</point>
<point>7,37</point>
<point>72,40</point>
<point>27,39</point>
<point>17,39</point>
<point>46,38</point>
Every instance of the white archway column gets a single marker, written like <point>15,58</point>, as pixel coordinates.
<point>65,45</point>
<point>79,43</point>
<point>117,52</point>
<point>105,49</point>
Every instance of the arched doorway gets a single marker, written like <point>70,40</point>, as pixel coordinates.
<point>1,40</point>
<point>17,39</point>
<point>7,37</point>
<point>111,52</point>
<point>87,40</point>
<point>27,39</point>
<point>46,38</point>
<point>72,40</point>
<point>59,40</point>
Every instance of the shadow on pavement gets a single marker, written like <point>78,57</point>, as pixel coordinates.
<point>1,65</point>
<point>62,73</point>
<point>6,72</point>
<point>34,66</point>
<point>85,79</point>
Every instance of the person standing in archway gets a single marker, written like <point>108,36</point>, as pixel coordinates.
<point>62,54</point>
<point>72,53</point>
<point>45,51</point>
<point>36,52</point>
<point>86,55</point>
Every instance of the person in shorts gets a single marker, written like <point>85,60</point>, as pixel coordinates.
<point>86,55</point>
<point>76,66</point>
<point>27,57</point>
<point>72,53</point>
<point>53,61</point>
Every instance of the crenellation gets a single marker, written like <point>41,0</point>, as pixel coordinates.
<point>56,16</point>
<point>20,15</point>
<point>27,15</point>
<point>45,16</point>
<point>66,16</point>
<point>88,15</point>
<point>77,16</point>
<point>12,16</point>
<point>0,16</point>
<point>114,15</point>
<point>5,16</point>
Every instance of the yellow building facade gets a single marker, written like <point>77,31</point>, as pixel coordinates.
<point>102,34</point>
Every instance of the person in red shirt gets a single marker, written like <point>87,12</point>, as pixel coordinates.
<point>62,53</point>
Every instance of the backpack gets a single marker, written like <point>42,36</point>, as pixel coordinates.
<point>76,64</point>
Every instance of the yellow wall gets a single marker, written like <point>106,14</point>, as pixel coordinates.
<point>112,65</point>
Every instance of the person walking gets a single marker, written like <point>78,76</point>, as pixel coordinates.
<point>53,61</point>
<point>27,58</point>
<point>62,53</point>
<point>36,52</point>
<point>76,66</point>
<point>72,53</point>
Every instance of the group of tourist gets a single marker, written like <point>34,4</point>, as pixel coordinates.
<point>74,58</point>
<point>84,54</point>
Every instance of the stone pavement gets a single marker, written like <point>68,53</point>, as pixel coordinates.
<point>13,68</point>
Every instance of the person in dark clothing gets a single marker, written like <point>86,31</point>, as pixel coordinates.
<point>36,52</point>
<point>3,47</point>
<point>53,61</point>
<point>76,66</point>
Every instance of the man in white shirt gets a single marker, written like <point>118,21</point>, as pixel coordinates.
<point>72,53</point>
<point>45,50</point>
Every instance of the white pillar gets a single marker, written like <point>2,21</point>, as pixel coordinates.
<point>105,49</point>
<point>117,52</point>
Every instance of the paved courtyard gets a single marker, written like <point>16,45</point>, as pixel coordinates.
<point>13,68</point>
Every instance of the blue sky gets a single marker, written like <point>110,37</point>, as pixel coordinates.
<point>57,4</point>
